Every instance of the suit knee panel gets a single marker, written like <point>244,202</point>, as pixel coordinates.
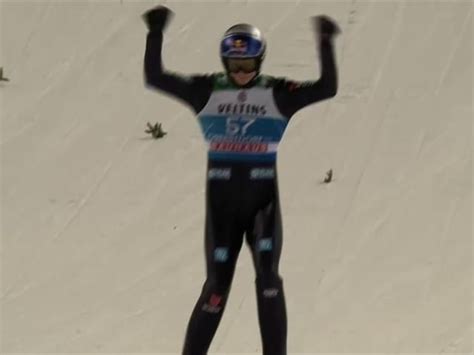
<point>269,286</point>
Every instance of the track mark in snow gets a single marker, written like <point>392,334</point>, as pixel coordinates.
<point>452,347</point>
<point>388,51</point>
<point>11,295</point>
<point>374,135</point>
<point>82,62</point>
<point>421,144</point>
<point>71,219</point>
<point>456,46</point>
<point>443,247</point>
<point>91,192</point>
<point>44,13</point>
<point>64,67</point>
<point>350,21</point>
<point>75,214</point>
<point>280,21</point>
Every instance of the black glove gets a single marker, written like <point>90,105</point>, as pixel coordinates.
<point>157,18</point>
<point>325,27</point>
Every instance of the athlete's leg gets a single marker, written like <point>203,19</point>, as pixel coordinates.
<point>223,241</point>
<point>265,241</point>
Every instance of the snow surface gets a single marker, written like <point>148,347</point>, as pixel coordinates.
<point>102,227</point>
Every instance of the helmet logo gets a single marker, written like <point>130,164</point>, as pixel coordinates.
<point>239,46</point>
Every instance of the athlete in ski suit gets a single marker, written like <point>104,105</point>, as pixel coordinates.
<point>243,121</point>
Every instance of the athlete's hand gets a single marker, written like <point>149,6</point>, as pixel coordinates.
<point>157,18</point>
<point>325,27</point>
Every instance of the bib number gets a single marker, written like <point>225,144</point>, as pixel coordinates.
<point>238,125</point>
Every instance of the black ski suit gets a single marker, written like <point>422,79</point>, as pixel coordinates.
<point>242,126</point>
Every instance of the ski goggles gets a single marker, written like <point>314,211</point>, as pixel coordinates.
<point>247,65</point>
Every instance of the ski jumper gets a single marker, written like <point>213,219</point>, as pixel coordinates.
<point>242,127</point>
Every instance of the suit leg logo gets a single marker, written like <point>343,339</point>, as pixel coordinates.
<point>270,292</point>
<point>265,244</point>
<point>213,305</point>
<point>221,255</point>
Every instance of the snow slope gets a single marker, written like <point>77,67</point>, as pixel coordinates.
<point>102,227</point>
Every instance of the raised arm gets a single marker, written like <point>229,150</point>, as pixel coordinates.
<point>193,90</point>
<point>292,96</point>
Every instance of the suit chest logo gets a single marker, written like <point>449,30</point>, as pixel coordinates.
<point>242,107</point>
